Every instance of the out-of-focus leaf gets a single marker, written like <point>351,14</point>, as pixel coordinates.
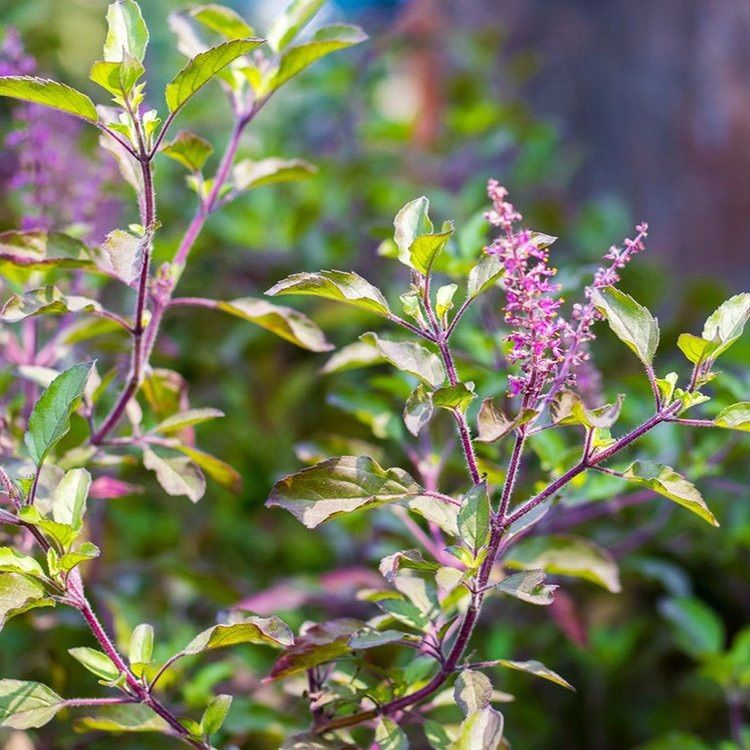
<point>46,300</point>
<point>222,20</point>
<point>418,408</point>
<point>474,518</point>
<point>187,419</point>
<point>116,719</point>
<point>50,94</point>
<point>19,594</point>
<point>389,736</point>
<point>481,730</point>
<point>735,417</point>
<point>27,705</point>
<point>492,423</point>
<point>248,174</point>
<point>291,21</point>
<point>537,669</point>
<point>178,475</point>
<point>698,629</point>
<point>125,254</point>
<point>528,586</point>
<point>484,275</point>
<point>215,714</point>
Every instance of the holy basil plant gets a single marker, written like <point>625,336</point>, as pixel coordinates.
<point>496,533</point>
<point>89,412</point>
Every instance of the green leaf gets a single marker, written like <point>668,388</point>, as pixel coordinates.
<point>188,149</point>
<point>27,705</point>
<point>474,518</point>
<point>97,662</point>
<point>492,423</point>
<point>472,691</point>
<point>418,409</point>
<point>248,174</point>
<point>369,638</point>
<point>698,629</point>
<point>410,558</point>
<point>127,33</point>
<point>125,254</point>
<point>319,644</point>
<point>482,730</point>
<point>116,719</point>
<point>22,253</point>
<point>568,408</point>
<point>436,735</point>
<point>666,481</point>
<point>537,669</point>
<point>696,349</point>
<point>50,418</point>
<point>735,417</point>
<point>338,486</point>
<point>220,471</point>
<point>215,714</point>
<point>12,561</point>
<point>68,561</point>
<point>222,20</point>
<point>69,498</point>
<point>411,221</point>
<point>567,555</point>
<point>342,286</point>
<point>309,742</point>
<point>454,397</point>
<point>141,648</point>
<point>484,275</point>
<point>409,357</point>
<point>426,248</point>
<point>322,43</point>
<point>293,19</point>
<point>178,475</point>
<point>444,299</point>
<point>389,736</point>
<point>727,323</point>
<point>118,78</point>
<point>630,322</point>
<point>62,534</point>
<point>49,93</point>
<point>528,586</point>
<point>269,631</point>
<point>188,418</point>
<point>285,322</point>
<point>47,300</point>
<point>202,68</point>
<point>352,357</point>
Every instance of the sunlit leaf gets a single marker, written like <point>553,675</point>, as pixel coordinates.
<point>389,736</point>
<point>537,669</point>
<point>49,93</point>
<point>127,33</point>
<point>528,586</point>
<point>735,417</point>
<point>178,475</point>
<point>258,630</point>
<point>188,149</point>
<point>409,357</point>
<point>27,705</point>
<point>97,662</point>
<point>472,691</point>
<point>248,174</point>
<point>291,21</point>
<point>222,20</point>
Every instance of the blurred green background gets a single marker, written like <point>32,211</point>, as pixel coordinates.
<point>435,103</point>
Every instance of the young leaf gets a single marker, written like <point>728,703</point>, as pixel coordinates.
<point>117,719</point>
<point>323,42</point>
<point>352,357</point>
<point>141,648</point>
<point>340,485</point>
<point>481,730</point>
<point>492,423</point>
<point>444,299</point>
<point>19,594</point>
<point>289,324</point>
<point>567,555</point>
<point>118,78</point>
<point>220,471</point>
<point>418,409</point>
<point>127,33</point>
<point>537,669</point>
<point>69,498</point>
<point>426,248</point>
<point>202,68</point>
<point>97,662</point>
<point>215,714</point>
<point>269,631</point>
<point>630,322</point>
<point>248,174</point>
<point>27,705</point>
<point>411,221</point>
<point>341,286</point>
<point>389,736</point>
<point>528,586</point>
<point>68,561</point>
<point>12,561</point>
<point>50,418</point>
<point>727,323</point>
<point>409,357</point>
<point>666,481</point>
<point>735,417</point>
<point>222,20</point>
<point>454,397</point>
<point>50,94</point>
<point>474,518</point>
<point>291,21</point>
<point>484,275</point>
<point>178,475</point>
<point>188,149</point>
<point>472,691</point>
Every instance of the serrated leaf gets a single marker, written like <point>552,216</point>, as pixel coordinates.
<point>409,357</point>
<point>474,518</point>
<point>632,323</point>
<point>46,300</point>
<point>12,561</point>
<point>27,705</point>
<point>492,424</point>
<point>567,555</point>
<point>482,730</point>
<point>667,482</point>
<point>215,714</point>
<point>472,691</point>
<point>69,498</point>
<point>340,485</point>
<point>342,286</point>
<point>222,20</point>
<point>484,275</point>
<point>735,417</point>
<point>528,586</point>
<point>188,418</point>
<point>319,644</point>
<point>50,418</point>
<point>188,149</point>
<point>389,736</point>
<point>285,322</point>
<point>202,68</point>
<point>418,409</point>
<point>116,719</point>
<point>248,174</point>
<point>50,94</point>
<point>537,669</point>
<point>291,21</point>
<point>97,662</point>
<point>127,33</point>
<point>178,475</point>
<point>269,631</point>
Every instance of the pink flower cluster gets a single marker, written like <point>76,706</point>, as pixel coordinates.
<point>531,299</point>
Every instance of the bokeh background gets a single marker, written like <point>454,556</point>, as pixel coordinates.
<point>597,114</point>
